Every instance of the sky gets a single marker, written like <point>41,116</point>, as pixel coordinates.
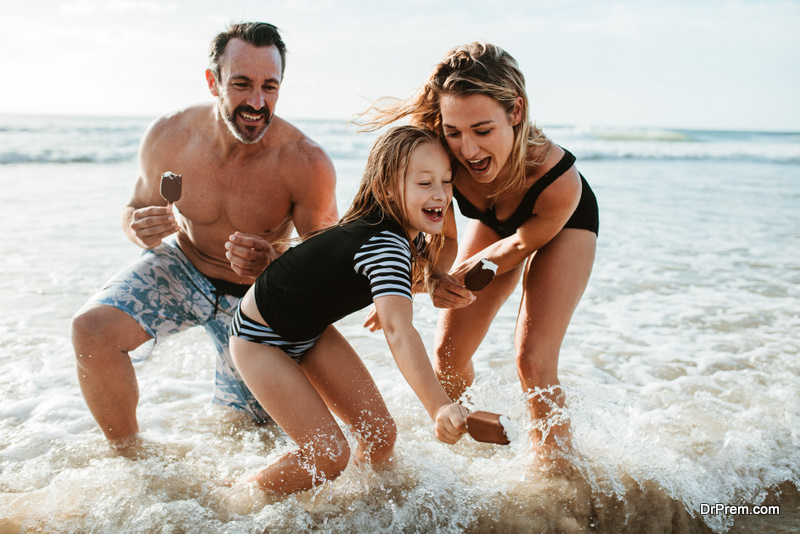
<point>697,64</point>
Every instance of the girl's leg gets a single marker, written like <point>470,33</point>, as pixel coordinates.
<point>460,331</point>
<point>283,389</point>
<point>554,281</point>
<point>344,383</point>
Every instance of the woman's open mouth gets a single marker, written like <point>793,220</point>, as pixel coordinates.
<point>479,166</point>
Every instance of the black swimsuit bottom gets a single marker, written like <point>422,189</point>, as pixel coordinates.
<point>223,287</point>
<point>585,216</point>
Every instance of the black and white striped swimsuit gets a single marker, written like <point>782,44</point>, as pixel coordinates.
<point>326,278</point>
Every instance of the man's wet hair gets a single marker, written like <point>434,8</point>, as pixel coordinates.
<point>258,34</point>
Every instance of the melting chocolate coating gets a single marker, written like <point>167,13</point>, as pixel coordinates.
<point>171,187</point>
<point>478,277</point>
<point>486,427</point>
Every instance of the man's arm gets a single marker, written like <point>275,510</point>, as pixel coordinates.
<point>314,192</point>
<point>147,219</point>
<point>311,178</point>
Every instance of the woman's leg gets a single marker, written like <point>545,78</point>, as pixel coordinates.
<point>460,331</point>
<point>283,389</point>
<point>554,281</point>
<point>349,391</point>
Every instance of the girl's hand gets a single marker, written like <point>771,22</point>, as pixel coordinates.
<point>451,423</point>
<point>372,322</point>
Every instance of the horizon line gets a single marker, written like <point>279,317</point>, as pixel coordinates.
<point>143,116</point>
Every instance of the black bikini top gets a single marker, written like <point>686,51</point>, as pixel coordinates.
<point>525,210</point>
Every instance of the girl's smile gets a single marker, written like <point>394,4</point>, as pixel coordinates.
<point>428,189</point>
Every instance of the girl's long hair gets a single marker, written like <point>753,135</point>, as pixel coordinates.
<point>477,68</point>
<point>381,191</point>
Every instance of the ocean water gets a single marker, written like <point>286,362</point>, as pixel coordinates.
<point>680,366</point>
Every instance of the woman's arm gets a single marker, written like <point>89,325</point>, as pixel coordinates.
<point>444,290</point>
<point>552,211</point>
<point>442,259</point>
<point>395,313</point>
<point>450,248</point>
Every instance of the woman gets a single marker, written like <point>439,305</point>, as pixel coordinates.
<point>531,213</point>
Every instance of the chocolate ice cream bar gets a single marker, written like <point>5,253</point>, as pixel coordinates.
<point>479,276</point>
<point>171,187</point>
<point>491,428</point>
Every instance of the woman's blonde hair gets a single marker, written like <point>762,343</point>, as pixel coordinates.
<point>477,68</point>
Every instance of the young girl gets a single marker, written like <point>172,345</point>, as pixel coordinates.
<point>296,363</point>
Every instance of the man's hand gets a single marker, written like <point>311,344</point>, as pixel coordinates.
<point>446,292</point>
<point>249,254</point>
<point>152,224</point>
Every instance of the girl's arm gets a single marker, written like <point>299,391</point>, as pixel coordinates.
<point>444,290</point>
<point>395,313</point>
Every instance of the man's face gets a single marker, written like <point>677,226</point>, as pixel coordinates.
<point>247,89</point>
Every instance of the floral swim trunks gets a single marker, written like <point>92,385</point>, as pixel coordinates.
<point>166,294</point>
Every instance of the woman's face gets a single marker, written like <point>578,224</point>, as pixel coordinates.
<point>479,133</point>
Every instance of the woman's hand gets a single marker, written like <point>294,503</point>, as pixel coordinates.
<point>459,271</point>
<point>446,292</point>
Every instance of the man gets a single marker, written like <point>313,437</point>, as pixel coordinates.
<point>249,178</point>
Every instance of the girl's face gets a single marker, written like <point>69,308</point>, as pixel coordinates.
<point>428,189</point>
<point>480,133</point>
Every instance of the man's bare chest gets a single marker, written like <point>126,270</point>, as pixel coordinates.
<point>253,200</point>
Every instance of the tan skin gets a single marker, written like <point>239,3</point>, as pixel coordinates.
<point>332,380</point>
<point>237,199</point>
<point>444,290</point>
<point>554,263</point>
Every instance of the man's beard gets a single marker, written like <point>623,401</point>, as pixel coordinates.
<point>248,136</point>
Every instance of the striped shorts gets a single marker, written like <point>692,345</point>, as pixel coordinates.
<point>245,328</point>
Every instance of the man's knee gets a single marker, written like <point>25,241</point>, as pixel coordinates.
<point>84,326</point>
<point>89,324</point>
<point>99,329</point>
